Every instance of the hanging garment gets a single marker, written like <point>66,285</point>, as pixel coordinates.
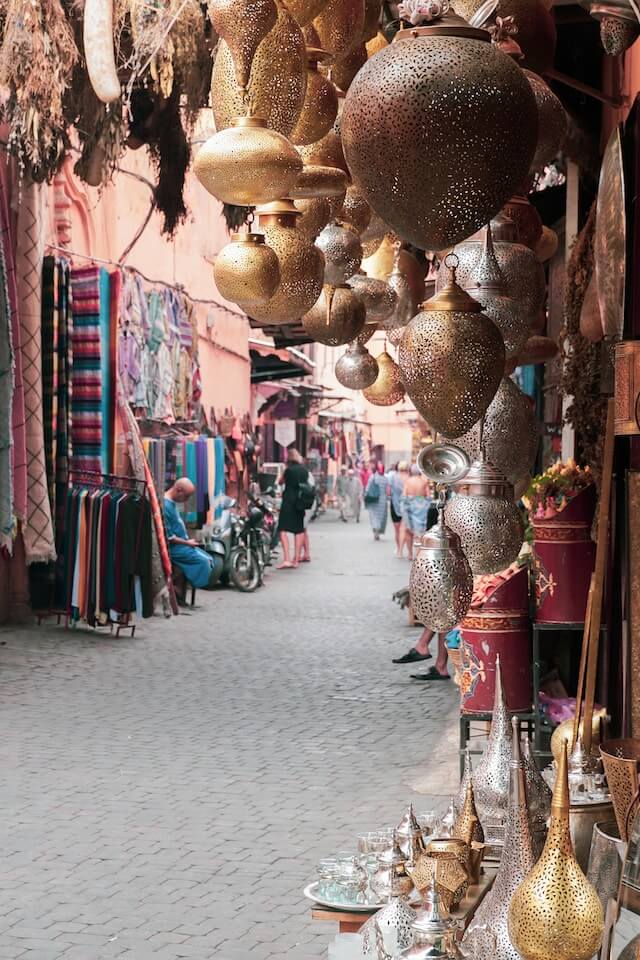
<point>218,493</point>
<point>202,482</point>
<point>211,476</point>
<point>86,371</point>
<point>6,394</point>
<point>63,419</point>
<point>191,471</point>
<point>285,432</point>
<point>38,529</point>
<point>49,332</point>
<point>106,415</point>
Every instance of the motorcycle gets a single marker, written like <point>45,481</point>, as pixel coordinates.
<point>268,530</point>
<point>235,540</point>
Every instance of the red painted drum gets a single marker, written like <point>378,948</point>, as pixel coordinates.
<point>564,558</point>
<point>497,624</point>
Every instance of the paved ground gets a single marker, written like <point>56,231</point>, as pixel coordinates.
<point>169,796</point>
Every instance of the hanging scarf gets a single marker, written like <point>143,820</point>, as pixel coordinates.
<point>49,334</point>
<point>87,374</point>
<point>6,393</point>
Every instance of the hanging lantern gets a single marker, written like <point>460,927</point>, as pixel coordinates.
<point>319,182</point>
<point>303,11</point>
<point>367,333</point>
<point>483,513</point>
<point>536,350</point>
<point>243,25</point>
<point>515,864</point>
<point>277,83</point>
<point>247,270</point>
<point>405,308</point>
<point>399,109</point>
<point>491,776</point>
<point>619,27</point>
<point>320,106</point>
<point>387,388</point>
<point>356,369</point>
<point>452,359</point>
<point>555,913</point>
<point>374,235</point>
<point>327,152</point>
<point>536,27</point>
<point>378,297</point>
<point>315,215</point>
<point>355,212</point>
<point>526,218</point>
<point>339,25</point>
<point>547,245</point>
<point>301,266</point>
<point>342,253</point>
<point>510,436</point>
<point>337,316</point>
<point>270,164</point>
<point>552,121</point>
<point>344,70</point>
<point>372,12</point>
<point>381,263</point>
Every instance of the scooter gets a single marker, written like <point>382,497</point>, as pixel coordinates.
<point>231,542</point>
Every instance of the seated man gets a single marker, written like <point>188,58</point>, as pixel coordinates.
<point>200,568</point>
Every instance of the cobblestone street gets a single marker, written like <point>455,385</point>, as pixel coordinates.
<point>169,796</point>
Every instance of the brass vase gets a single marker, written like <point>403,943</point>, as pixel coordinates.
<point>452,359</point>
<point>388,388</point>
<point>270,164</point>
<point>516,863</point>
<point>467,826</point>
<point>552,121</point>
<point>314,216</point>
<point>399,110</point>
<point>339,25</point>
<point>555,913</point>
<point>441,581</point>
<point>320,106</point>
<point>491,777</point>
<point>342,253</point>
<point>243,24</point>
<point>355,212</point>
<point>301,266</point>
<point>356,369</point>
<point>526,218</point>
<point>247,270</point>
<point>378,297</point>
<point>336,317</point>
<point>277,83</point>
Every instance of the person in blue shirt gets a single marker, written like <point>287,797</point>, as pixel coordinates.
<point>199,567</point>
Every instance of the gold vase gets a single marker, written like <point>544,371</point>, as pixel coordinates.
<point>467,826</point>
<point>388,387</point>
<point>243,24</point>
<point>356,369</point>
<point>320,106</point>
<point>247,270</point>
<point>336,317</point>
<point>556,914</point>
<point>315,215</point>
<point>355,211</point>
<point>342,252</point>
<point>301,266</point>
<point>269,163</point>
<point>339,25</point>
<point>277,83</point>
<point>552,121</point>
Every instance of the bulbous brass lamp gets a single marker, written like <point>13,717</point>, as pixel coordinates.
<point>388,388</point>
<point>247,270</point>
<point>243,24</point>
<point>337,316</point>
<point>320,106</point>
<point>342,252</point>
<point>356,369</point>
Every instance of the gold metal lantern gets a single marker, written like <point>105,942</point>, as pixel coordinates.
<point>342,252</point>
<point>270,164</point>
<point>344,70</point>
<point>536,27</point>
<point>303,11</point>
<point>378,297</point>
<point>452,360</point>
<point>316,182</point>
<point>406,306</point>
<point>326,152</point>
<point>243,24</point>
<point>355,212</point>
<point>367,333</point>
<point>552,121</point>
<point>526,218</point>
<point>277,83</point>
<point>356,369</point>
<point>336,318</point>
<point>388,388</point>
<point>320,106</point>
<point>381,263</point>
<point>247,270</point>
<point>547,245</point>
<point>399,110</point>
<point>315,215</point>
<point>339,26</point>
<point>467,826</point>
<point>301,266</point>
<point>555,913</point>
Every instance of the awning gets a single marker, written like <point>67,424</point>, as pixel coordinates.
<point>269,362</point>
<point>284,335</point>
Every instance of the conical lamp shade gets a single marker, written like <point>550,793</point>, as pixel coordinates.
<point>491,776</point>
<point>467,773</point>
<point>467,826</point>
<point>556,914</point>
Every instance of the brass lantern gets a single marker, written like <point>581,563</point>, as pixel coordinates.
<point>301,266</point>
<point>303,11</point>
<point>367,333</point>
<point>399,110</point>
<point>491,776</point>
<point>378,297</point>
<point>247,270</point>
<point>344,70</point>
<point>342,252</point>
<point>356,369</point>
<point>315,215</point>
<point>339,25</point>
<point>315,181</point>
<point>406,306</point>
<point>526,218</point>
<point>320,106</point>
<point>452,360</point>
<point>441,581</point>
<point>327,152</point>
<point>547,245</point>
<point>484,514</point>
<point>277,83</point>
<point>388,387</point>
<point>336,317</point>
<point>619,26</point>
<point>270,164</point>
<point>381,264</point>
<point>536,27</point>
<point>243,26</point>
<point>355,212</point>
<point>552,121</point>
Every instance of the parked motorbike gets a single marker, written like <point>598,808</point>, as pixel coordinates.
<point>235,539</point>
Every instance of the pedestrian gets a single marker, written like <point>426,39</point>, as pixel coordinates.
<point>200,569</point>
<point>295,500</point>
<point>342,490</point>
<point>354,494</point>
<point>397,479</point>
<point>305,550</point>
<point>366,471</point>
<point>416,500</point>
<point>421,652</point>
<point>375,500</point>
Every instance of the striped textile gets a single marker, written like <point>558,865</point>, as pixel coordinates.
<point>49,331</point>
<point>86,404</point>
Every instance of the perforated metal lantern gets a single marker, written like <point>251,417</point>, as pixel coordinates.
<point>303,11</point>
<point>339,25</point>
<point>355,212</point>
<point>388,387</point>
<point>336,317</point>
<point>243,25</point>
<point>399,110</point>
<point>483,512</point>
<point>378,297</point>
<point>247,270</point>
<point>526,218</point>
<point>552,121</point>
<point>452,359</point>
<point>316,181</point>
<point>441,582</point>
<point>406,306</point>
<point>356,369</point>
<point>315,215</point>
<point>492,775</point>
<point>536,27</point>
<point>619,27</point>
<point>380,265</point>
<point>320,106</point>
<point>342,252</point>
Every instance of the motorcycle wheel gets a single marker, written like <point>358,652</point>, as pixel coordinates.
<point>244,570</point>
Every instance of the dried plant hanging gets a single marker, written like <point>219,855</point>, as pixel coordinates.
<point>102,145</point>
<point>170,152</point>
<point>192,60</point>
<point>37,56</point>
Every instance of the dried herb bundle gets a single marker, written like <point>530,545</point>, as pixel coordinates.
<point>170,152</point>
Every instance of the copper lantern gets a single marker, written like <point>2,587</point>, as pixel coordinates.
<point>388,387</point>
<point>336,317</point>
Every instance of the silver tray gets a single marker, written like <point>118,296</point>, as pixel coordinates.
<point>310,893</point>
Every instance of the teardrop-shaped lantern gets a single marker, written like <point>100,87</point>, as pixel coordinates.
<point>555,913</point>
<point>467,773</point>
<point>337,316</point>
<point>378,297</point>
<point>380,265</point>
<point>526,218</point>
<point>315,215</point>
<point>356,369</point>
<point>374,234</point>
<point>552,121</point>
<point>243,24</point>
<point>342,252</point>
<point>406,306</point>
<point>399,110</point>
<point>344,70</point>
<point>467,826</point>
<point>388,387</point>
<point>619,26</point>
<point>339,25</point>
<point>277,83</point>
<point>320,106</point>
<point>491,776</point>
<point>270,164</point>
<point>301,265</point>
<point>355,212</point>
<point>484,514</point>
<point>510,435</point>
<point>452,360</point>
<point>247,270</point>
<point>536,27</point>
<point>303,11</point>
<point>516,862</point>
<point>441,582</point>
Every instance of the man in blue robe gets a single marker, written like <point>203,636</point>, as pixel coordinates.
<point>199,567</point>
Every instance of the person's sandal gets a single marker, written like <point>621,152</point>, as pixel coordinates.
<point>412,657</point>
<point>431,674</point>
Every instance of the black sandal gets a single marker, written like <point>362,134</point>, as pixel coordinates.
<point>431,674</point>
<point>413,656</point>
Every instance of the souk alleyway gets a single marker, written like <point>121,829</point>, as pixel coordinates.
<point>169,796</point>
